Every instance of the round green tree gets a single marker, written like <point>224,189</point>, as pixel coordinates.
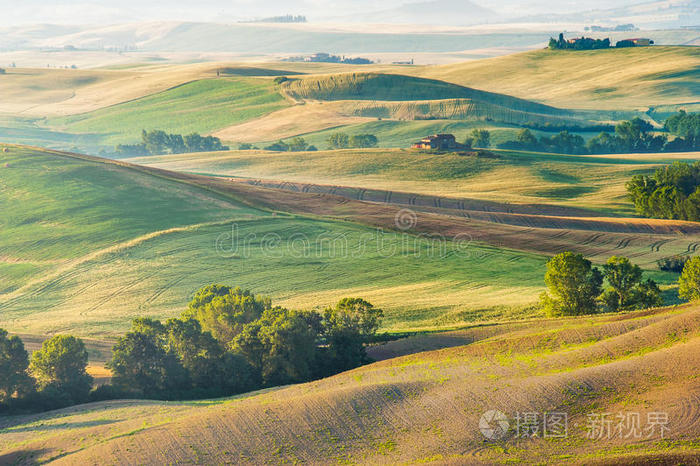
<point>573,285</point>
<point>61,364</point>
<point>689,282</point>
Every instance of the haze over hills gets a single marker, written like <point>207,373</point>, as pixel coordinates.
<point>505,234</point>
<point>434,12</point>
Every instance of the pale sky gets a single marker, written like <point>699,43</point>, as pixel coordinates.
<point>14,12</point>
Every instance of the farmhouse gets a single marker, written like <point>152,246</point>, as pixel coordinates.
<point>437,141</point>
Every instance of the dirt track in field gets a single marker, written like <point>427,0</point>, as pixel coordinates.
<point>541,229</point>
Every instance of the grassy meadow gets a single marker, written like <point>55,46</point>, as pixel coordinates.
<point>107,244</point>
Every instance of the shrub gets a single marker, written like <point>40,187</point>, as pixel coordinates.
<point>672,264</point>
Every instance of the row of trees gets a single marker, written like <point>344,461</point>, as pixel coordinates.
<point>633,135</point>
<point>159,142</point>
<point>228,341</point>
<point>564,142</point>
<point>295,145</point>
<point>575,287</point>
<point>588,43</point>
<point>357,141</point>
<point>671,192</point>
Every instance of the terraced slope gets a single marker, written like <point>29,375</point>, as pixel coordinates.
<point>424,407</point>
<point>615,79</point>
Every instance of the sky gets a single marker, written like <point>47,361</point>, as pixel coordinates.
<point>22,12</point>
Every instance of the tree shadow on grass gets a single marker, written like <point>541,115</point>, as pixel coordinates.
<point>23,457</point>
<point>57,426</point>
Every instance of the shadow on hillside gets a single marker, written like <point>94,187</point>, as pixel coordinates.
<point>24,457</point>
<point>60,426</point>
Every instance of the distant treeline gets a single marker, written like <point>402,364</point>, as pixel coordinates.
<point>159,142</point>
<point>588,43</point>
<point>228,341</point>
<point>618,28</point>
<point>295,145</point>
<point>328,58</point>
<point>630,136</point>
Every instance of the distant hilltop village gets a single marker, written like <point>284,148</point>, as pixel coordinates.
<point>322,57</point>
<point>588,43</point>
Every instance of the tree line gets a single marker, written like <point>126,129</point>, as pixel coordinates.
<point>227,341</point>
<point>588,43</point>
<point>159,142</point>
<point>633,135</point>
<point>335,141</point>
<point>584,43</point>
<point>357,141</point>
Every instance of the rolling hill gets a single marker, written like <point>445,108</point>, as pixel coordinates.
<point>112,241</point>
<point>614,79</point>
<point>95,109</point>
<point>63,273</point>
<point>200,106</point>
<point>420,408</point>
<point>596,183</point>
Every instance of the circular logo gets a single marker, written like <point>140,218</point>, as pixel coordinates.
<point>405,219</point>
<point>494,425</point>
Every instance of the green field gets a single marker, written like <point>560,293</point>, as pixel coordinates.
<point>54,210</point>
<point>200,106</point>
<point>88,246</point>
